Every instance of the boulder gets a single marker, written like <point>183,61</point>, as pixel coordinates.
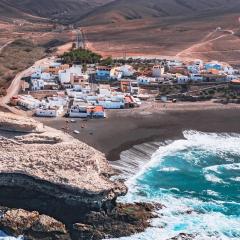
<point>32,225</point>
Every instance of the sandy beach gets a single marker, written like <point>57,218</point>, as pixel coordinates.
<point>151,122</point>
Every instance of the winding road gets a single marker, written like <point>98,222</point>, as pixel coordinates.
<point>5,45</point>
<point>16,82</point>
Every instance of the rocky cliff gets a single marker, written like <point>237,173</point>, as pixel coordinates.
<point>58,176</point>
<point>53,164</point>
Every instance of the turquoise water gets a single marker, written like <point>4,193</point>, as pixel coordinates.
<point>198,181</point>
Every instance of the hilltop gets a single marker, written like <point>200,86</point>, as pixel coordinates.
<point>57,10</point>
<point>124,10</point>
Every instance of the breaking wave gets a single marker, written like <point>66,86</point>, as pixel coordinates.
<point>197,180</point>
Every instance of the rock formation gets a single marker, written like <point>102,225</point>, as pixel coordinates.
<point>54,165</point>
<point>56,175</point>
<point>9,122</point>
<point>32,225</point>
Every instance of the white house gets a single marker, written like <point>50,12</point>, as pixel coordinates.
<point>196,77</point>
<point>199,63</point>
<point>37,84</point>
<point>231,77</point>
<point>174,63</point>
<point>84,111</point>
<point>55,64</point>
<point>157,71</point>
<point>46,76</point>
<point>116,73</point>
<point>143,80</point>
<point>65,75</point>
<point>127,70</point>
<point>228,70</point>
<point>57,101</point>
<point>49,111</point>
<point>193,69</point>
<point>28,102</point>
<point>111,103</point>
<point>36,74</point>
<point>182,79</point>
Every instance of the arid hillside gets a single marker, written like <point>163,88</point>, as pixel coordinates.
<point>208,29</point>
<point>58,10</point>
<point>186,29</point>
<point>125,10</point>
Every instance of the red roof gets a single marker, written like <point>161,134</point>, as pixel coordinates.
<point>237,81</point>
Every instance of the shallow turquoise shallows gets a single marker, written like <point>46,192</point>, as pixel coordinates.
<point>198,181</point>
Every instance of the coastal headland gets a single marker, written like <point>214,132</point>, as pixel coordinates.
<point>61,178</point>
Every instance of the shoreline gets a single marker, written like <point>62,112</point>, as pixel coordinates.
<point>124,129</point>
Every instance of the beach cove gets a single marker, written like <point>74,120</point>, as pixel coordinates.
<point>183,156</point>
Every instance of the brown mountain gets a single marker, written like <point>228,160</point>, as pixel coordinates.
<point>186,28</point>
<point>158,27</point>
<point>124,10</point>
<point>63,11</point>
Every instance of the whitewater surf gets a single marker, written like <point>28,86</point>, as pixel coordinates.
<point>197,179</point>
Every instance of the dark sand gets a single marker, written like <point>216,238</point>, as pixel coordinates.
<point>126,128</point>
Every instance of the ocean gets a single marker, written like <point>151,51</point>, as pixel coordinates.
<point>197,179</point>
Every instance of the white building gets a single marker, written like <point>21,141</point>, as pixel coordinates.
<point>37,84</point>
<point>143,80</point>
<point>36,74</point>
<point>182,79</point>
<point>46,76</point>
<point>28,102</point>
<point>111,103</point>
<point>84,111</point>
<point>174,63</point>
<point>65,75</point>
<point>127,70</point>
<point>49,111</point>
<point>157,71</point>
<point>193,69</point>
<point>199,63</point>
<point>228,70</point>
<point>231,77</point>
<point>116,73</point>
<point>196,77</point>
<point>57,101</point>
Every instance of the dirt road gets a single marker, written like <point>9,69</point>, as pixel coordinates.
<point>5,45</point>
<point>207,39</point>
<point>16,83</point>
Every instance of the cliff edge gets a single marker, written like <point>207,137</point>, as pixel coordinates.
<point>48,177</point>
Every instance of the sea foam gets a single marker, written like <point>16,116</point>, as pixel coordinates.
<point>192,178</point>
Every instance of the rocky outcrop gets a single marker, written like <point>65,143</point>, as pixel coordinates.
<point>56,165</point>
<point>183,236</point>
<point>52,167</point>
<point>9,122</point>
<point>32,225</point>
<point>124,220</point>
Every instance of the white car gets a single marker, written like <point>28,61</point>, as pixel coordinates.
<point>138,101</point>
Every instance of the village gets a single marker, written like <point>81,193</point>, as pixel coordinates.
<point>78,89</point>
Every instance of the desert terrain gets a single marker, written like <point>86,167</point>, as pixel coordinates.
<point>132,28</point>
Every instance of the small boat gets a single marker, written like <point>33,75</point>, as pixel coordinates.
<point>73,121</point>
<point>76,131</point>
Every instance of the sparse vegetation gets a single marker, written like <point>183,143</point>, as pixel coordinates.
<point>16,57</point>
